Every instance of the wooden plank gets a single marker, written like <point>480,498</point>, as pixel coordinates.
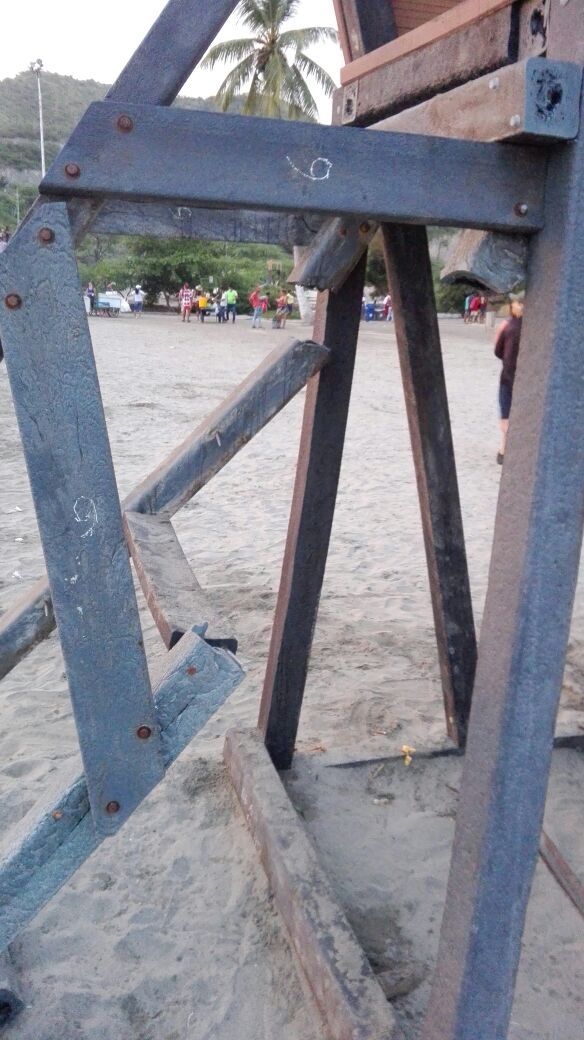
<point>494,262</point>
<point>524,633</point>
<point>562,871</point>
<point>498,40</point>
<point>313,504</point>
<point>409,273</point>
<point>317,169</point>
<point>25,625</point>
<point>174,597</point>
<point>360,30</point>
<point>533,100</point>
<point>160,220</point>
<point>57,835</point>
<point>349,998</point>
<point>280,376</point>
<point>175,44</point>
<point>58,406</point>
<point>468,12</point>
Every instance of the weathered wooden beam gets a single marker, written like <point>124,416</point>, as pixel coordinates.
<point>313,504</point>
<point>317,169</point>
<point>360,30</point>
<point>161,220</point>
<point>56,836</point>
<point>493,261</point>
<point>174,597</point>
<point>538,99</point>
<point>533,100</point>
<point>409,275</point>
<point>500,38</point>
<point>59,410</point>
<point>468,12</point>
<point>280,376</point>
<point>274,383</point>
<point>169,52</point>
<point>25,625</point>
<point>524,633</point>
<point>351,1002</point>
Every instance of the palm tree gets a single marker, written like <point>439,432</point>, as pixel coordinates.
<point>272,63</point>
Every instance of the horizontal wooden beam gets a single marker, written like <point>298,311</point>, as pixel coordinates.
<point>329,170</point>
<point>534,100</point>
<point>499,39</point>
<point>161,220</point>
<point>174,597</point>
<point>335,968</point>
<point>56,836</point>
<point>468,12</point>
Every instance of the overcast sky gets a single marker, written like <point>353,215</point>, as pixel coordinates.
<point>95,41</point>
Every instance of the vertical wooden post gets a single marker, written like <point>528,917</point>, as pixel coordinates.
<point>313,505</point>
<point>532,580</point>
<point>409,275</point>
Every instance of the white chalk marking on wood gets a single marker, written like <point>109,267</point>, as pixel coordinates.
<point>320,169</point>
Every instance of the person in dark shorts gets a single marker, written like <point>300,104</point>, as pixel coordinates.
<point>507,351</point>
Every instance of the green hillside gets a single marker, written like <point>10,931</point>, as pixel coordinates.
<point>64,102</point>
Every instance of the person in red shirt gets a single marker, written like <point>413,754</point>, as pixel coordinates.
<point>507,351</point>
<point>256,302</point>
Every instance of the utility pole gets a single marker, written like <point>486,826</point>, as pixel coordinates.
<point>36,67</point>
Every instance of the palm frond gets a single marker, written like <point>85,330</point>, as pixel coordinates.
<point>234,82</point>
<point>303,38</point>
<point>307,67</point>
<point>230,50</point>
<point>298,97</point>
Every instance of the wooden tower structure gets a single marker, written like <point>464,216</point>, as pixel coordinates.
<point>477,106</point>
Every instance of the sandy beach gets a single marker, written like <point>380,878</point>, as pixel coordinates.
<point>168,932</point>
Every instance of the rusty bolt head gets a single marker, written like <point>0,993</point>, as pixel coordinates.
<point>13,301</point>
<point>112,808</point>
<point>343,232</point>
<point>125,124</point>
<point>72,169</point>
<point>191,670</point>
<point>46,235</point>
<point>143,732</point>
<point>365,227</point>
<point>521,209</point>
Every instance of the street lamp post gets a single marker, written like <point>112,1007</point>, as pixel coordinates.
<point>36,67</point>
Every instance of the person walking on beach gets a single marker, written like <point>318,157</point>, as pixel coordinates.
<point>185,299</point>
<point>256,303</point>
<point>507,351</point>
<point>281,315</point>
<point>232,298</point>
<point>387,308</point>
<point>138,305</point>
<point>90,293</point>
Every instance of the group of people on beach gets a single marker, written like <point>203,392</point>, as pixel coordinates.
<point>222,303</point>
<point>475,309</point>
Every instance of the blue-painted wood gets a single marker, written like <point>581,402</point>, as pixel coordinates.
<point>524,633</point>
<point>57,836</point>
<point>59,410</point>
<point>177,41</point>
<point>252,163</point>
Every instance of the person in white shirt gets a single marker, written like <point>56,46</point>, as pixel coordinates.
<point>138,305</point>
